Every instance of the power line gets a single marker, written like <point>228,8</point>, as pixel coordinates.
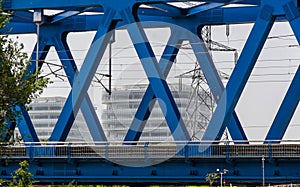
<point>270,38</point>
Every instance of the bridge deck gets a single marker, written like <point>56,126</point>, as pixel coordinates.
<point>150,150</point>
<point>151,162</point>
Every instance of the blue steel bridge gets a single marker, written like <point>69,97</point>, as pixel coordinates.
<point>156,163</point>
<point>131,161</point>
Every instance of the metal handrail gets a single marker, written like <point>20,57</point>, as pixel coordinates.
<point>148,150</point>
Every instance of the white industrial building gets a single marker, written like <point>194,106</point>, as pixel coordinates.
<point>44,112</point>
<point>118,110</point>
<point>121,105</point>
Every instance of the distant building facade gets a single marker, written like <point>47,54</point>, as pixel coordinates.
<point>121,105</point>
<point>44,113</point>
<point>118,112</point>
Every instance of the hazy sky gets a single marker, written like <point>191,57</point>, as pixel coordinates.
<point>269,80</point>
<point>260,100</point>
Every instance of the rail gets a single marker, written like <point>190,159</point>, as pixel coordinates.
<point>148,150</point>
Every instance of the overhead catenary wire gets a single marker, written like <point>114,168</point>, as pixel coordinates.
<point>186,47</point>
<point>135,56</point>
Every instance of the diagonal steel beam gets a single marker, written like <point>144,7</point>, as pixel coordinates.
<point>156,78</point>
<point>165,64</point>
<point>286,111</point>
<point>25,125</point>
<point>147,104</point>
<point>292,97</point>
<point>240,74</point>
<point>24,122</point>
<point>293,16</point>
<point>6,130</point>
<point>228,16</point>
<point>84,77</point>
<point>215,84</point>
<point>68,14</point>
<point>70,68</point>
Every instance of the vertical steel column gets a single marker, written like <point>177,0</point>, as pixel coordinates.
<point>70,69</point>
<point>240,74</point>
<point>83,79</point>
<point>147,104</point>
<point>155,76</point>
<point>215,84</point>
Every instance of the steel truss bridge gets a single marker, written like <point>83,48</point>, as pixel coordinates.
<point>185,163</point>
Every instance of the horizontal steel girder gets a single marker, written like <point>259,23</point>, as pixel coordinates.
<point>63,4</point>
<point>91,22</point>
<point>68,162</point>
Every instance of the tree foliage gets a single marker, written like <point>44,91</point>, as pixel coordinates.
<point>22,177</point>
<point>211,178</point>
<point>18,83</point>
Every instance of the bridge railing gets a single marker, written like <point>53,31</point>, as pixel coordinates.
<point>146,150</point>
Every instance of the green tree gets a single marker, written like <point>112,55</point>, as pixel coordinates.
<point>211,178</point>
<point>18,85</point>
<point>22,177</point>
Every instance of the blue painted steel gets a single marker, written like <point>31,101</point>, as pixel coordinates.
<point>293,16</point>
<point>286,110</point>
<point>8,127</point>
<point>187,165</point>
<point>19,28</point>
<point>54,163</point>
<point>87,108</point>
<point>83,79</point>
<point>24,122</point>
<point>65,15</point>
<point>24,16</point>
<point>240,74</point>
<point>70,68</point>
<point>203,7</point>
<point>215,84</point>
<point>26,127</point>
<point>55,4</point>
<point>147,104</point>
<point>237,125</point>
<point>63,4</point>
<point>156,78</point>
<point>91,22</point>
<point>68,14</point>
<point>235,129</point>
<point>207,6</point>
<point>171,10</point>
